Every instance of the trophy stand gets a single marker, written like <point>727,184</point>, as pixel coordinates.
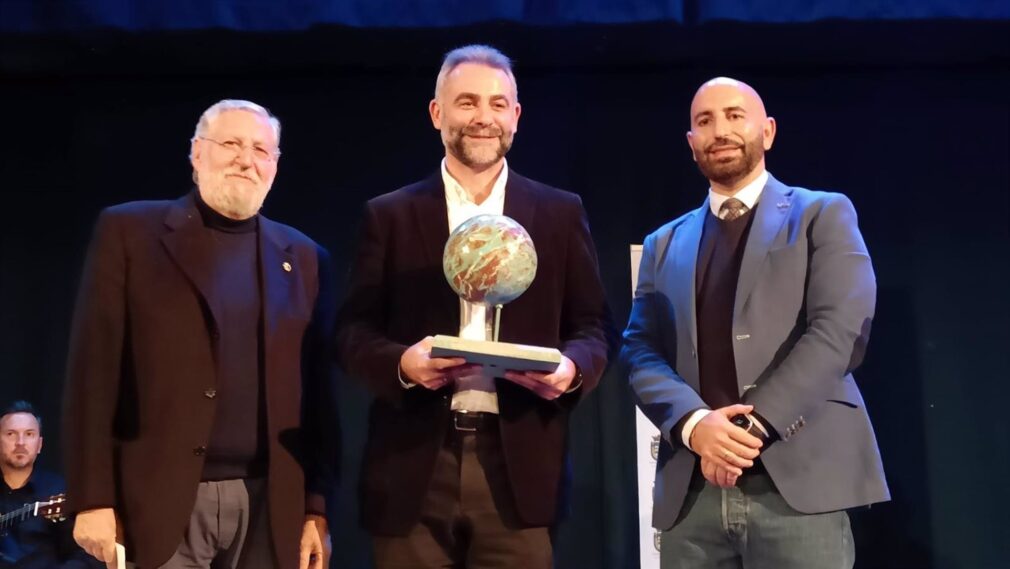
<point>494,354</point>
<point>497,322</point>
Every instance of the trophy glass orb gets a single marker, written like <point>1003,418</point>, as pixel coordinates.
<point>489,259</point>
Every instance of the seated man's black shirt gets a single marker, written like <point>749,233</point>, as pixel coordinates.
<point>37,543</point>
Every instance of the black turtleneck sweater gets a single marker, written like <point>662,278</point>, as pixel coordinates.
<point>237,446</point>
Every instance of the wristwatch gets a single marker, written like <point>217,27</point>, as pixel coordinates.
<point>746,422</point>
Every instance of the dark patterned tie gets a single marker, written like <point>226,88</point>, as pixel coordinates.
<point>732,209</point>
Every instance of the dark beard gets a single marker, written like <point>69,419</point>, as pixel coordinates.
<point>458,148</point>
<point>729,172</point>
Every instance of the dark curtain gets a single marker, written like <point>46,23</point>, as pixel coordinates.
<point>34,16</point>
<point>910,120</point>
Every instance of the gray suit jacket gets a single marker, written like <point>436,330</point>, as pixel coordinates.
<point>804,302</point>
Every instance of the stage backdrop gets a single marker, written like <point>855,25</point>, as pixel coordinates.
<point>909,118</point>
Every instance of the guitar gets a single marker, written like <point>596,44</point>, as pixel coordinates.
<point>50,509</point>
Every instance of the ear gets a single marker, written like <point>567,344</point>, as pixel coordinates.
<point>40,445</point>
<point>195,153</point>
<point>769,132</point>
<point>515,120</point>
<point>435,110</point>
<point>690,144</point>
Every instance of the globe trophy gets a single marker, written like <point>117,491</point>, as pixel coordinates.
<point>490,259</point>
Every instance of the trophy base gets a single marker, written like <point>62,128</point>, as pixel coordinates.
<point>500,355</point>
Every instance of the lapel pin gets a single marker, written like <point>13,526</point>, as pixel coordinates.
<point>286,266</point>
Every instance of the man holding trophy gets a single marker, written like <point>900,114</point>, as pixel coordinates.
<point>465,460</point>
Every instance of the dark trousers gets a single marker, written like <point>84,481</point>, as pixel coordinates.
<point>468,518</point>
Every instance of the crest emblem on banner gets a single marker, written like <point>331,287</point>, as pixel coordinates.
<point>657,537</point>
<point>654,447</point>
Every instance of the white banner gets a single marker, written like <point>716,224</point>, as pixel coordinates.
<point>647,449</point>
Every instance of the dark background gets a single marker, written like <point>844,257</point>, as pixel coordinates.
<point>908,116</point>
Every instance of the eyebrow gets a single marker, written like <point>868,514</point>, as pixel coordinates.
<point>724,110</point>
<point>495,97</point>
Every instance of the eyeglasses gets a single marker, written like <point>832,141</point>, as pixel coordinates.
<point>236,148</point>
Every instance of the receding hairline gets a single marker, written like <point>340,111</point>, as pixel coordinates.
<point>477,54</point>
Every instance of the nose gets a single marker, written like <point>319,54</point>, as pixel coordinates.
<point>245,157</point>
<point>483,114</point>
<point>722,127</point>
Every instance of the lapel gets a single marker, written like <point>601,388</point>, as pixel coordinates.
<point>772,211</point>
<point>184,245</point>
<point>687,240</point>
<point>431,220</point>
<point>431,217</point>
<point>278,271</point>
<point>520,203</point>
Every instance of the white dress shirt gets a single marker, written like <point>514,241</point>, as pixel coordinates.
<point>474,392</point>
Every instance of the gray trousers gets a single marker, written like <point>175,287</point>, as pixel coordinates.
<point>228,529</point>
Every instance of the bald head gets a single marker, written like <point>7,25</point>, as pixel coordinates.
<point>725,89</point>
<point>730,132</point>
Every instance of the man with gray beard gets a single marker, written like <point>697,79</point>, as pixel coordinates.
<point>464,468</point>
<point>199,426</point>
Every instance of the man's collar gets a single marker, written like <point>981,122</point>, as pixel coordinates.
<point>458,194</point>
<point>26,486</point>
<point>748,194</point>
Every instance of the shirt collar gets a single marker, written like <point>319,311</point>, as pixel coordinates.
<point>28,487</point>
<point>456,194</point>
<point>748,194</point>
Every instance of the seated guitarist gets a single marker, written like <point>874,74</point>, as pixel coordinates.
<point>30,541</point>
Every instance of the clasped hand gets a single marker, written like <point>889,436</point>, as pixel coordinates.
<point>725,449</point>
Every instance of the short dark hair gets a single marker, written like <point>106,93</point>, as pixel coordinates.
<point>22,406</point>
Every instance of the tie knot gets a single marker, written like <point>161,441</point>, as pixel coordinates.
<point>732,209</point>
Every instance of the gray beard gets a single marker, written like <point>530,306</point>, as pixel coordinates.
<point>459,150</point>
<point>227,202</point>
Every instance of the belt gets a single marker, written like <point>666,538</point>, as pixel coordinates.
<point>473,421</point>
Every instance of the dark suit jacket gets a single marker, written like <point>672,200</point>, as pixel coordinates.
<point>398,295</point>
<point>138,402</point>
<point>801,319</point>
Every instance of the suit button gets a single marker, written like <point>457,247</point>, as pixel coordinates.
<point>200,450</point>
<point>210,393</point>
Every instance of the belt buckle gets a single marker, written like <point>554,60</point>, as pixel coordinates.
<point>455,422</point>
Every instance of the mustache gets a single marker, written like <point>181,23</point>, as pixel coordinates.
<point>722,144</point>
<point>240,174</point>
<point>478,131</point>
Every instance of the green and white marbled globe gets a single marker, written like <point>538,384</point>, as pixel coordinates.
<point>489,259</point>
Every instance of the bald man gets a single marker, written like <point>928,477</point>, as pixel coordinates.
<point>749,316</point>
